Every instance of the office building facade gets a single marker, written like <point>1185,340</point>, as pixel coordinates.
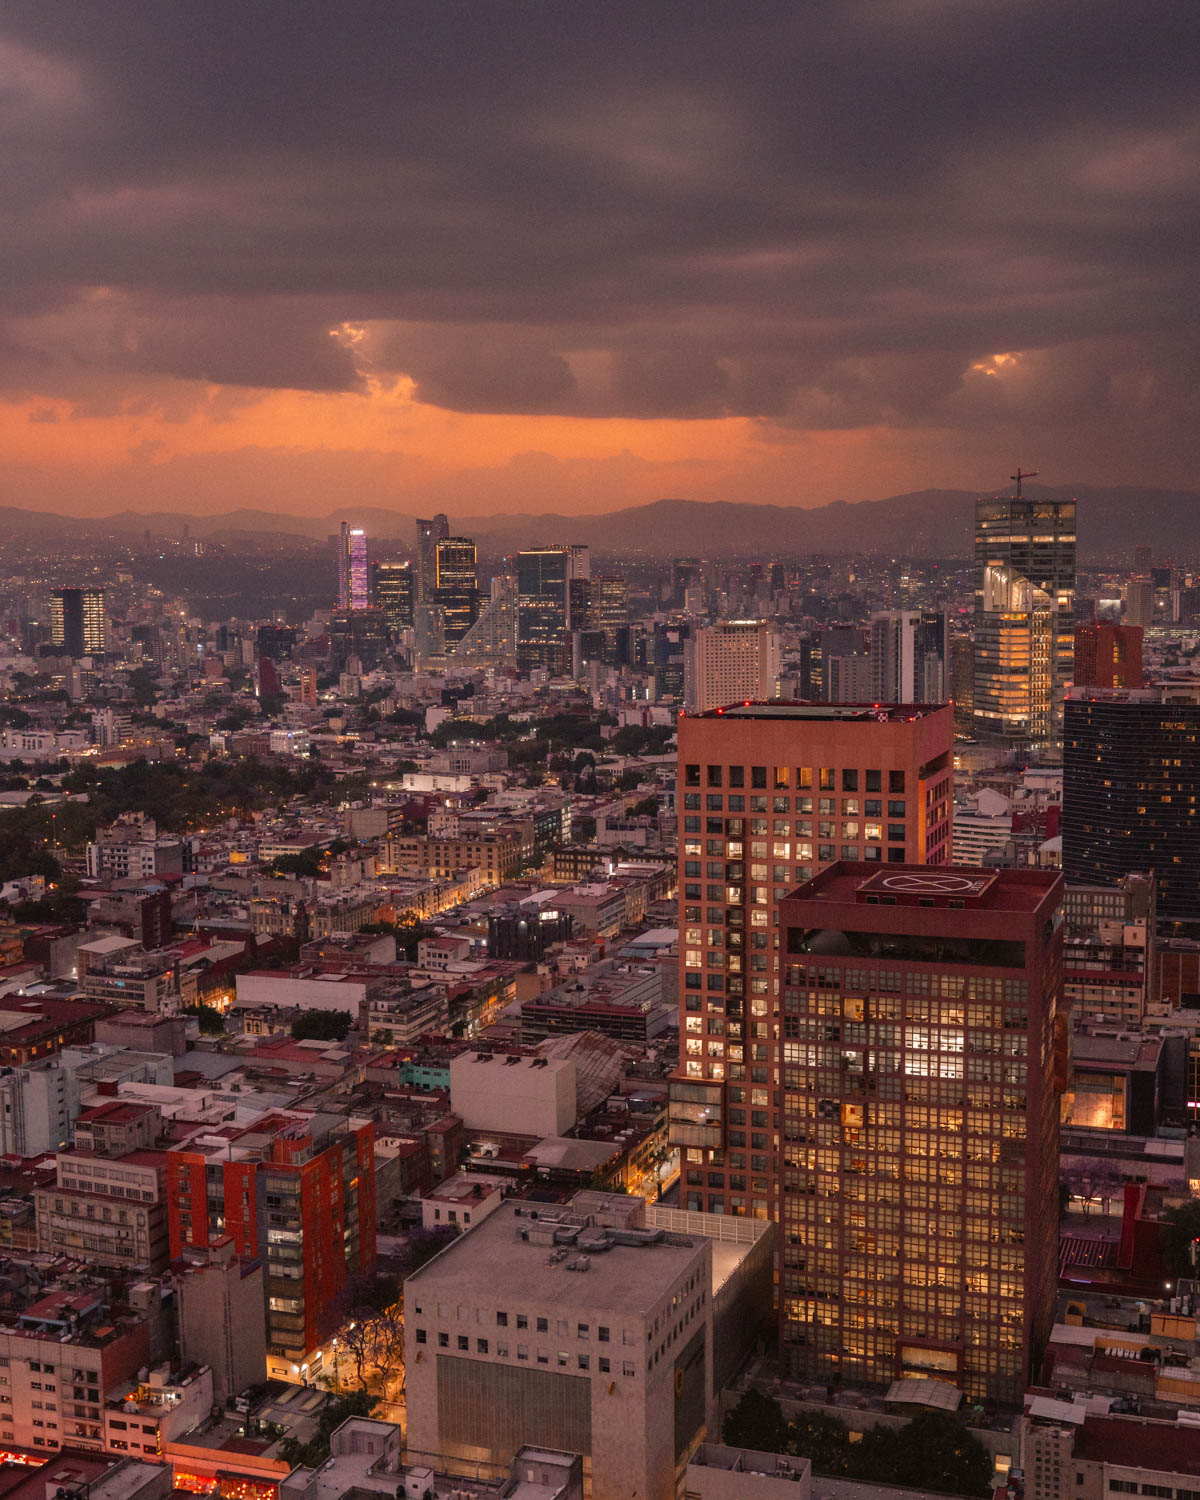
<point>919,1125</point>
<point>1131,780</point>
<point>1108,656</point>
<point>429,533</point>
<point>545,576</point>
<point>353,574</point>
<point>78,622</point>
<point>729,663</point>
<point>393,589</point>
<point>555,1325</point>
<point>769,795</point>
<point>908,657</point>
<point>1024,615</point>
<point>456,590</point>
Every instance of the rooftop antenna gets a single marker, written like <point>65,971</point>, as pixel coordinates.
<point>1022,474</point>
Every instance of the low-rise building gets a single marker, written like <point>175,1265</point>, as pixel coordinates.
<point>61,1356</point>
<point>513,1092</point>
<point>543,1325</point>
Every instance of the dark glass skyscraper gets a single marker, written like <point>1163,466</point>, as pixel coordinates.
<point>78,624</point>
<point>1024,615</point>
<point>392,590</point>
<point>456,592</point>
<point>1131,779</point>
<point>544,598</point>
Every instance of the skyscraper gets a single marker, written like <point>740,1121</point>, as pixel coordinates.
<point>544,599</point>
<point>913,1094</point>
<point>610,610</point>
<point>730,662</point>
<point>392,591</point>
<point>1131,779</point>
<point>908,657</point>
<point>1024,615</point>
<point>768,795</point>
<point>456,592</point>
<point>353,577</point>
<point>429,534</point>
<point>1108,656</point>
<point>78,622</point>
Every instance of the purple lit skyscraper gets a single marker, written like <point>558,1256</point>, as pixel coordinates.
<point>353,578</point>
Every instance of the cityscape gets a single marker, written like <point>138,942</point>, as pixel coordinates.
<point>599,884</point>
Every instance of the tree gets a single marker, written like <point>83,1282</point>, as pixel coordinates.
<point>1092,1180</point>
<point>822,1439</point>
<point>1180,1231</point>
<point>936,1452</point>
<point>646,808</point>
<point>312,1454</point>
<point>756,1422</point>
<point>424,1244</point>
<point>322,1026</point>
<point>212,1022</point>
<point>143,687</point>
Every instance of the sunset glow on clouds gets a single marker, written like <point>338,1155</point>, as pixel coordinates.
<point>490,258</point>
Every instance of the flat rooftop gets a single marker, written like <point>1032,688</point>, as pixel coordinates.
<point>968,887</point>
<point>793,710</point>
<point>494,1265</point>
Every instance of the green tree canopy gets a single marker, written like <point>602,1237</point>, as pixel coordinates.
<point>321,1025</point>
<point>757,1422</point>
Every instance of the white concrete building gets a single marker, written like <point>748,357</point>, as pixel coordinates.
<point>39,1103</point>
<point>543,1326</point>
<point>730,663</point>
<point>524,1095</point>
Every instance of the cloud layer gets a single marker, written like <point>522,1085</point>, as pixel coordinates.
<point>824,218</point>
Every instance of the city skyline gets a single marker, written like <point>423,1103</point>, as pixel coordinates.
<point>684,257</point>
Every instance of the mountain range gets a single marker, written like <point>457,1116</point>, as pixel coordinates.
<point>927,523</point>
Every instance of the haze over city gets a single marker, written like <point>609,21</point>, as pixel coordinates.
<point>498,258</point>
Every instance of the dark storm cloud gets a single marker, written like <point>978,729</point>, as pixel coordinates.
<point>822,214</point>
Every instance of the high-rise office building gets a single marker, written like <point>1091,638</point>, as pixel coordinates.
<point>1139,603</point>
<point>544,602</point>
<point>609,609</point>
<point>429,533</point>
<point>78,622</point>
<point>1131,770</point>
<point>908,657</point>
<point>456,591</point>
<point>730,662</point>
<point>492,639</point>
<point>914,1104</point>
<point>1108,656</point>
<point>353,575</point>
<point>1024,615</point>
<point>360,633</point>
<point>393,591</point>
<point>768,795</point>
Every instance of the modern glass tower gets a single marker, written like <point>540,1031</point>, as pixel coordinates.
<point>353,575</point>
<point>78,623</point>
<point>392,587</point>
<point>456,592</point>
<point>1024,615</point>
<point>544,597</point>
